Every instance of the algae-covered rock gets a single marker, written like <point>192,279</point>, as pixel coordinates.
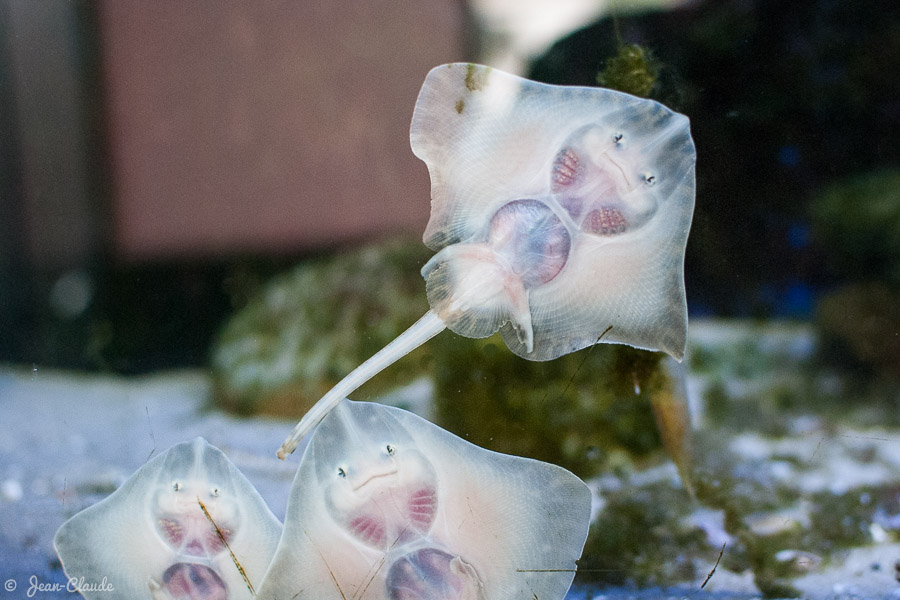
<point>862,322</point>
<point>769,511</point>
<point>643,536</point>
<point>778,507</point>
<point>857,221</point>
<point>585,411</point>
<point>309,327</point>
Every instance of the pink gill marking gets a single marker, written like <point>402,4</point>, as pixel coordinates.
<point>214,542</point>
<point>171,530</point>
<point>368,529</point>
<point>205,542</point>
<point>422,507</point>
<point>566,169</point>
<point>605,221</point>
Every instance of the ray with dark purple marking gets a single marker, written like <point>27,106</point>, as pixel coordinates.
<point>386,505</point>
<point>186,526</point>
<point>557,213</point>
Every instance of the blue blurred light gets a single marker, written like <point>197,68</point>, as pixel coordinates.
<point>798,300</point>
<point>798,235</point>
<point>789,156</point>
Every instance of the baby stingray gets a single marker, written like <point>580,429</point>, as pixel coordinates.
<point>385,505</point>
<point>186,526</point>
<point>557,214</point>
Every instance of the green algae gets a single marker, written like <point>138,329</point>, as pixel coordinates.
<point>579,411</point>
<point>633,70</point>
<point>639,538</point>
<point>476,77</point>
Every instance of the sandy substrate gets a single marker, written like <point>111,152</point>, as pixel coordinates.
<point>68,440</point>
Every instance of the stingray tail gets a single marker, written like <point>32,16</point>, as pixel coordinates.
<point>418,333</point>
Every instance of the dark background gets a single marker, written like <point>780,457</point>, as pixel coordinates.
<point>158,163</point>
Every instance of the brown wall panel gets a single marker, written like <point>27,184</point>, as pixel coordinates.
<point>266,126</point>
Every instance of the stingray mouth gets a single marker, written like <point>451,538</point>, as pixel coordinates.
<point>374,477</point>
<point>618,171</point>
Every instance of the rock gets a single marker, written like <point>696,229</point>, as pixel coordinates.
<point>309,327</point>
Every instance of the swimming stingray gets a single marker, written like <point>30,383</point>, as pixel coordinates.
<point>177,529</point>
<point>386,505</point>
<point>558,214</point>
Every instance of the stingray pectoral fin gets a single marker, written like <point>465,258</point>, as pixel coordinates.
<point>475,293</point>
<point>473,588</point>
<point>436,261</point>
